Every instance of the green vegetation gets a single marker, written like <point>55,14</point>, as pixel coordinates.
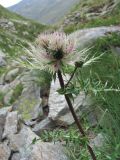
<point>111,17</point>
<point>12,42</point>
<point>17,92</point>
<point>101,81</point>
<point>1,99</point>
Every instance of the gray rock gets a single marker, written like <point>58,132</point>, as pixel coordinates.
<point>11,124</point>
<point>16,156</point>
<point>6,24</point>
<point>77,15</point>
<point>2,59</point>
<point>93,115</point>
<point>22,140</point>
<point>45,124</point>
<point>98,141</point>
<point>3,114</point>
<point>87,36</point>
<point>59,110</point>
<point>4,152</point>
<point>44,151</point>
<point>29,103</point>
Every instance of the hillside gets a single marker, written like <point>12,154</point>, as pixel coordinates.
<point>35,121</point>
<point>15,30</point>
<point>92,13</point>
<point>44,11</point>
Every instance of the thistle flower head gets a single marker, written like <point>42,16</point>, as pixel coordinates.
<point>53,51</point>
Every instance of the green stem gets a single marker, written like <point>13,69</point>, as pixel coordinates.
<point>71,76</point>
<point>74,114</point>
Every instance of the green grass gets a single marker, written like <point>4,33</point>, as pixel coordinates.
<point>110,18</point>
<point>97,79</point>
<point>17,92</point>
<point>1,99</point>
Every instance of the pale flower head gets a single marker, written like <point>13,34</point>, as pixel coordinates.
<point>53,51</point>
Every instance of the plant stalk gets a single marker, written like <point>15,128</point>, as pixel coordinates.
<point>61,81</point>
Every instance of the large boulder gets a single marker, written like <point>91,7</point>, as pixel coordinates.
<point>44,151</point>
<point>59,110</point>
<point>86,37</point>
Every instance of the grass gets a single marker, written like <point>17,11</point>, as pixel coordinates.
<point>1,99</point>
<point>96,80</point>
<point>110,18</point>
<point>17,92</point>
<point>27,30</point>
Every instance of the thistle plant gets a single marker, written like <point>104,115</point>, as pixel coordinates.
<point>54,51</point>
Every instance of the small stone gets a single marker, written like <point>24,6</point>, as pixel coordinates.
<point>98,141</point>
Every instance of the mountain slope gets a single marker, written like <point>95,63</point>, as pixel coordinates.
<point>92,13</point>
<point>45,11</point>
<point>14,27</point>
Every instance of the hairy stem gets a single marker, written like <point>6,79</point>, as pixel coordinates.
<point>74,114</point>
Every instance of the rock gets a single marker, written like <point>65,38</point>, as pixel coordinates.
<point>11,124</point>
<point>93,115</point>
<point>2,59</point>
<point>3,114</point>
<point>29,103</point>
<point>65,117</point>
<point>10,76</point>
<point>16,156</point>
<point>22,140</point>
<point>59,110</point>
<point>77,15</point>
<point>4,152</point>
<point>2,122</point>
<point>6,24</point>
<point>44,151</point>
<point>86,37</point>
<point>116,50</point>
<point>98,141</point>
<point>45,124</point>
